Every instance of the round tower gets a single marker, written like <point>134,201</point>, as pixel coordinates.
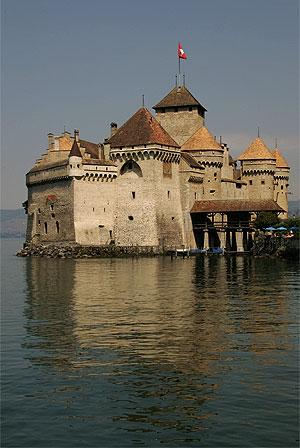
<point>258,168</point>
<point>75,158</point>
<point>281,181</point>
<point>209,153</point>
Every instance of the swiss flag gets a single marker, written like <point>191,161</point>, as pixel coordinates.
<point>181,53</point>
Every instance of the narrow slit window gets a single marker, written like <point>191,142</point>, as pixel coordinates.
<point>57,227</point>
<point>46,227</point>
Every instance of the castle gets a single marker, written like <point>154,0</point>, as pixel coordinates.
<point>158,182</point>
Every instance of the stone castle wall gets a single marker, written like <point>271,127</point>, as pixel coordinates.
<point>51,211</point>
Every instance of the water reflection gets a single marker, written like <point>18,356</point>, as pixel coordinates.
<point>156,342</point>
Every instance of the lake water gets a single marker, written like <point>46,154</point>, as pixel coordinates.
<point>200,352</point>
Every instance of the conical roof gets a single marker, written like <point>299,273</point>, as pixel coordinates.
<point>201,140</point>
<point>75,151</point>
<point>257,151</point>
<point>179,96</point>
<point>141,129</point>
<point>280,160</point>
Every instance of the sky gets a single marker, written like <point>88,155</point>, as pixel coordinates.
<point>68,64</point>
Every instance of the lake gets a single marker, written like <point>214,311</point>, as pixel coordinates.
<point>197,352</point>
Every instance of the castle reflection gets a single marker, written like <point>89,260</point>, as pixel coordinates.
<point>161,329</point>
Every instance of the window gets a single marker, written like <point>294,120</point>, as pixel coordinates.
<point>110,234</point>
<point>39,210</point>
<point>39,222</point>
<point>238,185</point>
<point>173,218</point>
<point>250,182</point>
<point>195,195</point>
<point>57,226</point>
<point>46,227</point>
<point>281,187</point>
<point>169,194</point>
<point>130,218</point>
<point>212,191</point>
<point>133,194</point>
<point>263,182</point>
<point>52,207</point>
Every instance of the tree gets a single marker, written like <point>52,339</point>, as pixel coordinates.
<point>266,219</point>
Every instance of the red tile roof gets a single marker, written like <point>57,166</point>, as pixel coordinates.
<point>178,97</point>
<point>280,160</point>
<point>202,139</point>
<point>257,151</point>
<point>141,129</point>
<point>235,205</point>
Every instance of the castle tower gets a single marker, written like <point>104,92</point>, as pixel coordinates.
<point>148,207</point>
<point>258,167</point>
<point>281,179</point>
<point>208,153</point>
<point>75,159</point>
<point>180,114</point>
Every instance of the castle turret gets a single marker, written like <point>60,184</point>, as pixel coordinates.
<point>75,158</point>
<point>180,114</point>
<point>281,179</point>
<point>208,153</point>
<point>258,168</point>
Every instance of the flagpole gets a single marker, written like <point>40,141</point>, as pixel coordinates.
<point>179,84</point>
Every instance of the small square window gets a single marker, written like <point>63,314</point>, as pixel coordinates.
<point>263,182</point>
<point>250,182</point>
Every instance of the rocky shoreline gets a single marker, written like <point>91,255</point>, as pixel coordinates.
<point>264,245</point>
<point>280,247</point>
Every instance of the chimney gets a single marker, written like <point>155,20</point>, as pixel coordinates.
<point>76,135</point>
<point>113,128</point>
<point>50,140</point>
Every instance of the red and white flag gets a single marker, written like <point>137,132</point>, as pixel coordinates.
<point>181,53</point>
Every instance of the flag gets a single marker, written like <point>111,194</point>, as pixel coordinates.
<point>181,53</point>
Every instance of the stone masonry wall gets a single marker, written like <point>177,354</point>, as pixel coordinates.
<point>51,212</point>
<point>94,210</point>
<point>180,125</point>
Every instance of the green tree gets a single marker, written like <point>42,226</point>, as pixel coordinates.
<point>266,219</point>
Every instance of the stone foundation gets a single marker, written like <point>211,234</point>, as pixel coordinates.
<point>62,251</point>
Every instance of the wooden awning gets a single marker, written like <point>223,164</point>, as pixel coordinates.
<point>236,205</point>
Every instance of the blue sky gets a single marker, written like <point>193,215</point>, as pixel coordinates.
<point>85,63</point>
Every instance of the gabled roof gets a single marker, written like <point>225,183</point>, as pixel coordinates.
<point>235,205</point>
<point>201,140</point>
<point>179,96</point>
<point>257,151</point>
<point>141,129</point>
<point>280,160</point>
<point>75,151</point>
